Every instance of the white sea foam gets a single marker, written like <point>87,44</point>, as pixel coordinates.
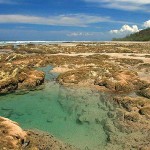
<point>40,42</point>
<point>27,42</point>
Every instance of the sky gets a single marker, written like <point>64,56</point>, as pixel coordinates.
<point>72,20</point>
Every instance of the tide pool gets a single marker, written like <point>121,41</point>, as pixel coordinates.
<point>72,115</point>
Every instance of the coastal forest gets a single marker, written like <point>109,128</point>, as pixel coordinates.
<point>143,35</point>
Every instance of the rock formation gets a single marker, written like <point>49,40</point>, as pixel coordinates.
<point>11,135</point>
<point>18,78</point>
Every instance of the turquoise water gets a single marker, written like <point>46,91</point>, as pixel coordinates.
<point>74,116</point>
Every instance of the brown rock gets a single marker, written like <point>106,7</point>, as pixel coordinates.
<point>132,116</point>
<point>145,92</point>
<point>145,110</point>
<point>123,81</point>
<point>11,135</point>
<point>8,85</point>
<point>33,78</point>
<point>13,78</point>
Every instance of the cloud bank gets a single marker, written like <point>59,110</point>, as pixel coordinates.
<point>126,29</point>
<point>81,20</point>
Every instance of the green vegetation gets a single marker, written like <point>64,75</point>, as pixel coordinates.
<point>143,35</point>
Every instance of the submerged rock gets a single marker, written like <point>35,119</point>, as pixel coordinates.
<point>6,112</point>
<point>43,141</point>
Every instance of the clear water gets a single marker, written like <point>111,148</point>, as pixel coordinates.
<point>72,115</point>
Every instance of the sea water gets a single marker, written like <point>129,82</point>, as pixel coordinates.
<point>73,115</point>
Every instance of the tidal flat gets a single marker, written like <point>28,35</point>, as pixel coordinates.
<point>89,96</point>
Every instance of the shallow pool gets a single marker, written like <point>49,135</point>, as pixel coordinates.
<point>72,115</point>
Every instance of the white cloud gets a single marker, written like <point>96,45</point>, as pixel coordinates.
<point>147,24</point>
<point>75,34</point>
<point>60,20</point>
<point>122,1</point>
<point>130,5</point>
<point>126,29</point>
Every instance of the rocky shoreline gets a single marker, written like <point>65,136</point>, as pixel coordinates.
<point>15,138</point>
<point>127,79</point>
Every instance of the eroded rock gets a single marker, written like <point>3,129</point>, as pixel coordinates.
<point>14,78</point>
<point>11,135</point>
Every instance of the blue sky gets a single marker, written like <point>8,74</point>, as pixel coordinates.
<point>72,19</point>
